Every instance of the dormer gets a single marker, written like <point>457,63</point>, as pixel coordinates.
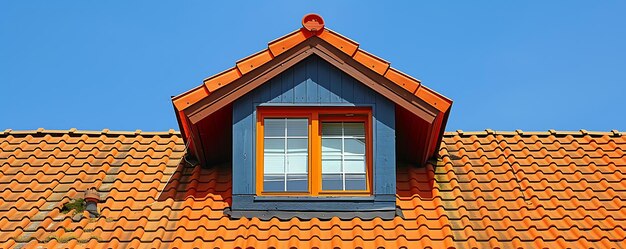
<point>313,127</point>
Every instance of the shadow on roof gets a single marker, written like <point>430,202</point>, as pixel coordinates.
<point>412,181</point>
<point>199,183</point>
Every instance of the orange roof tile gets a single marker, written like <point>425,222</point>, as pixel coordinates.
<point>491,189</point>
<point>221,79</point>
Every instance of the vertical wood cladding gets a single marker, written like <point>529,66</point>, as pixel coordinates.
<point>313,82</point>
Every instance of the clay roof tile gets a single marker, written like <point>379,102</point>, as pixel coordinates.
<point>518,202</point>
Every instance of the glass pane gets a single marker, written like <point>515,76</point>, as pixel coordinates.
<point>274,156</point>
<point>354,129</point>
<point>297,182</point>
<point>354,146</point>
<point>332,182</point>
<point>331,129</point>
<point>297,146</point>
<point>274,127</point>
<point>297,127</point>
<point>331,145</point>
<point>355,182</point>
<point>274,164</point>
<point>274,183</point>
<point>297,164</point>
<point>285,159</point>
<point>274,146</point>
<point>331,164</point>
<point>354,164</point>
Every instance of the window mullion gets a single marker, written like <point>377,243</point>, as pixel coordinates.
<point>315,153</point>
<point>286,162</point>
<point>343,151</point>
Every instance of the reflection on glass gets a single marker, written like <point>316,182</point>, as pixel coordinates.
<point>285,155</point>
<point>343,156</point>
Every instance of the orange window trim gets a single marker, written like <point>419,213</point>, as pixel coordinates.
<point>315,116</point>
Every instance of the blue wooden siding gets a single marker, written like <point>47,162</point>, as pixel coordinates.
<point>313,82</point>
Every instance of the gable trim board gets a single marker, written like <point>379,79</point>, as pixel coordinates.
<point>227,94</point>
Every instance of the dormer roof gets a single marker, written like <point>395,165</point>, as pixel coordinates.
<point>412,97</point>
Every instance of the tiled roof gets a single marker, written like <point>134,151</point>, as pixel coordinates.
<point>490,189</point>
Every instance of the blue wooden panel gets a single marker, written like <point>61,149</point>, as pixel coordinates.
<point>335,85</point>
<point>264,93</point>
<point>384,147</point>
<point>347,88</point>
<point>312,85</point>
<point>243,146</point>
<point>287,83</point>
<point>299,82</point>
<point>323,80</point>
<point>359,93</point>
<point>314,82</point>
<point>276,91</point>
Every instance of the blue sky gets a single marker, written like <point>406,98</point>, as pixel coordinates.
<point>531,65</point>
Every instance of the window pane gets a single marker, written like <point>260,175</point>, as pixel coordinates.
<point>297,155</point>
<point>331,129</point>
<point>297,127</point>
<point>274,146</point>
<point>297,164</point>
<point>354,129</point>
<point>331,145</point>
<point>274,127</point>
<point>354,164</point>
<point>355,182</point>
<point>285,155</point>
<point>297,146</point>
<point>331,164</point>
<point>332,182</point>
<point>354,146</point>
<point>297,182</point>
<point>343,156</point>
<point>274,183</point>
<point>274,164</point>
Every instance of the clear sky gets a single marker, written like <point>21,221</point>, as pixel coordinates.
<point>530,65</point>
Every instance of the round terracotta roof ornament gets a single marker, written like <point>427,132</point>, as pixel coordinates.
<point>313,22</point>
<point>91,194</point>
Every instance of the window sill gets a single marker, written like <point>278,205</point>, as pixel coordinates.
<point>308,207</point>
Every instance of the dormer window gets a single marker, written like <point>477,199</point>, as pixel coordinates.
<point>313,127</point>
<point>314,151</point>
